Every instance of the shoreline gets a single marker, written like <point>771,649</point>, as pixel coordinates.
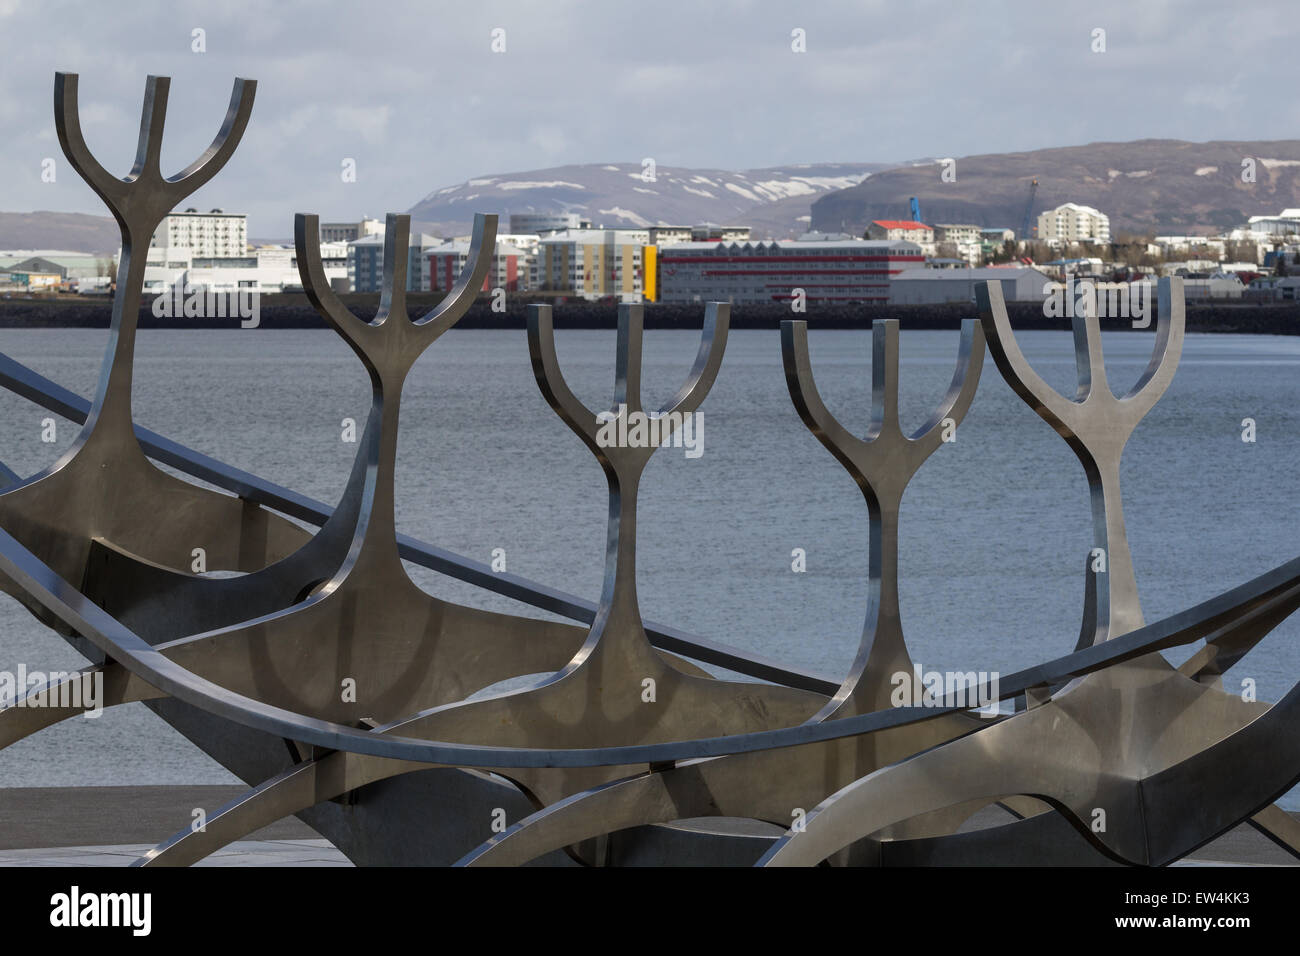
<point>293,311</point>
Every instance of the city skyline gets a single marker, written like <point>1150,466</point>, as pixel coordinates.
<point>876,83</point>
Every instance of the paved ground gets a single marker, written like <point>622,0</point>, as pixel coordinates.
<point>246,853</point>
<point>112,826</point>
<point>33,817</point>
<point>279,853</point>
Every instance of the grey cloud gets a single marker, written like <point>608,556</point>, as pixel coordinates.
<point>412,92</point>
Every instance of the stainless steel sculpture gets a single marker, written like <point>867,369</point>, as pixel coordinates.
<point>321,675</point>
<point>66,508</point>
<point>882,464</point>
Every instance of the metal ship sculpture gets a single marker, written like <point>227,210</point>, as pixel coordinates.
<point>319,673</point>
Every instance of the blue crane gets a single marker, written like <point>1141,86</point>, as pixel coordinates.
<point>1029,209</point>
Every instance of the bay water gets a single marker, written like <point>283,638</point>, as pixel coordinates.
<point>995,527</point>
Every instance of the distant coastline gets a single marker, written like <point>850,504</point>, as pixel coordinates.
<point>293,311</point>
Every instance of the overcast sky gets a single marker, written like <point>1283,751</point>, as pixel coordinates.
<point>414,93</point>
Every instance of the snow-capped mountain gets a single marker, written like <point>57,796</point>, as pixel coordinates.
<point>775,202</point>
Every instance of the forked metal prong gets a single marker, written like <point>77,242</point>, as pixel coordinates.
<point>415,336</point>
<point>454,305</point>
<point>708,360</point>
<point>956,402</point>
<point>306,240</point>
<point>627,379</point>
<point>853,452</point>
<point>881,464</point>
<point>172,189</point>
<point>550,378</point>
<point>884,376</point>
<point>138,201</point>
<point>1057,409</point>
<point>1089,363</point>
<point>1096,424</point>
<point>1171,325</point>
<point>627,358</point>
<point>839,441</point>
<point>153,119</point>
<point>67,123</point>
<point>397,245</point>
<point>224,144</point>
<point>1011,362</point>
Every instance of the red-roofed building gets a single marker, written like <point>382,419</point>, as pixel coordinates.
<point>904,230</point>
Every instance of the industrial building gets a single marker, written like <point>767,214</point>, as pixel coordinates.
<point>28,281</point>
<point>72,268</point>
<point>827,270</point>
<point>263,270</point>
<point>935,286</point>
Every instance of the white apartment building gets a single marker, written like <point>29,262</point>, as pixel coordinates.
<point>967,240</point>
<point>669,235</point>
<point>210,235</point>
<point>527,242</point>
<point>264,270</point>
<point>1072,222</point>
<point>594,263</point>
<point>957,233</point>
<point>350,231</point>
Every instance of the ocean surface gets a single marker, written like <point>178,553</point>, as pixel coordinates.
<point>994,531</point>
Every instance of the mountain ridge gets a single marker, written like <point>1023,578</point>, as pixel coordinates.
<point>770,199</point>
<point>1155,184</point>
<point>1160,185</point>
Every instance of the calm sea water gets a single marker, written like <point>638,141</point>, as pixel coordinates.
<point>995,526</point>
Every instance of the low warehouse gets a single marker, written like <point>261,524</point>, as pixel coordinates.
<point>934,286</point>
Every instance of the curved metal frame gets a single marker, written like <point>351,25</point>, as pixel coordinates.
<point>1111,726</point>
<point>1091,747</point>
<point>881,464</point>
<point>62,509</point>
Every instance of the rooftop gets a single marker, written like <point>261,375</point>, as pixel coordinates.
<point>1077,208</point>
<point>899,224</point>
<point>47,254</point>
<point>865,245</point>
<point>983,272</point>
<point>590,235</point>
